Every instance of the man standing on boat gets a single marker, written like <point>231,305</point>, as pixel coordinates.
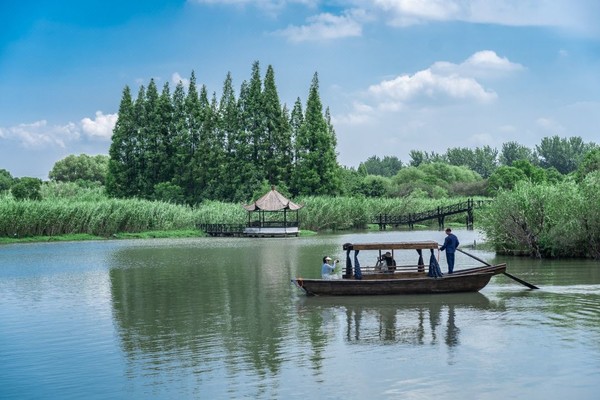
<point>327,269</point>
<point>450,245</point>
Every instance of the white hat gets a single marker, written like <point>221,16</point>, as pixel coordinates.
<point>328,258</point>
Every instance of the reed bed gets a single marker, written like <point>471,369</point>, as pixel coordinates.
<point>340,213</point>
<point>67,209</point>
<point>100,218</point>
<point>217,212</point>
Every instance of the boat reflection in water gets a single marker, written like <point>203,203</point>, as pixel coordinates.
<point>412,320</point>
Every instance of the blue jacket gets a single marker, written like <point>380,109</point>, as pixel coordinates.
<point>450,243</point>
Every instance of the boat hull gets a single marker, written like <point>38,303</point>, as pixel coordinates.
<point>472,280</point>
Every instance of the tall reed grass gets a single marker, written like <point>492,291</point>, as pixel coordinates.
<point>70,209</point>
<point>102,218</point>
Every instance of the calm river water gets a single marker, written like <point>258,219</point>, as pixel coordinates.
<point>217,318</point>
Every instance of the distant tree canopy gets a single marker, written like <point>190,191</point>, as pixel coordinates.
<point>27,188</point>
<point>6,180</point>
<point>191,146</point>
<point>387,166</point>
<point>589,164</point>
<point>564,154</point>
<point>80,168</point>
<point>551,160</point>
<point>437,179</point>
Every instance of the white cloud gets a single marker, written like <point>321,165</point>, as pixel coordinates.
<point>579,16</point>
<point>39,134</point>
<point>410,12</point>
<point>327,26</point>
<point>100,127</point>
<point>430,85</point>
<point>442,84</point>
<point>270,6</point>
<point>176,78</point>
<point>483,64</point>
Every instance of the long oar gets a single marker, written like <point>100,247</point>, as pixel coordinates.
<point>522,282</point>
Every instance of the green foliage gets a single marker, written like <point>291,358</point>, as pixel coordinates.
<point>564,154</point>
<point>418,157</point>
<point>481,160</point>
<point>26,189</point>
<point>542,220</point>
<point>533,173</point>
<point>513,151</point>
<point>504,178</point>
<point>316,170</point>
<point>80,168</point>
<point>169,193</point>
<point>122,164</point>
<point>217,212</point>
<point>374,186</point>
<point>590,163</point>
<point>590,212</point>
<point>437,179</point>
<point>388,166</point>
<point>71,191</point>
<point>102,218</point>
<point>6,180</point>
<point>220,149</point>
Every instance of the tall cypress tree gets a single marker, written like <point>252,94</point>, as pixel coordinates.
<point>316,171</point>
<point>212,150</point>
<point>229,127</point>
<point>296,123</point>
<point>139,141</point>
<point>152,149</point>
<point>199,163</point>
<point>121,152</point>
<point>249,177</point>
<point>221,149</point>
<point>178,159</point>
<point>166,136</point>
<point>190,142</point>
<point>254,121</point>
<point>276,139</point>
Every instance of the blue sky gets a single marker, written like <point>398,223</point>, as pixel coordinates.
<point>397,75</point>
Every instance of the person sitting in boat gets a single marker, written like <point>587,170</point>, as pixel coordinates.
<point>327,269</point>
<point>388,262</point>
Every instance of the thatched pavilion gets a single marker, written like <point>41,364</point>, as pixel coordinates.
<point>272,215</point>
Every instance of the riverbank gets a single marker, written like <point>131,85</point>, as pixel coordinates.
<point>177,234</point>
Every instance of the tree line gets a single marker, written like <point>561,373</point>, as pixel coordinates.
<point>189,147</point>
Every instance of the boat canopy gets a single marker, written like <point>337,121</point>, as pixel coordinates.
<point>392,246</point>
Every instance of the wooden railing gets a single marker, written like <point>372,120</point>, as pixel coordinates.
<point>439,213</point>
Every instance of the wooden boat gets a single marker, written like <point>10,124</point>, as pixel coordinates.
<point>394,279</point>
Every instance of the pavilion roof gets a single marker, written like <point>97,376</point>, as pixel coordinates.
<point>273,201</point>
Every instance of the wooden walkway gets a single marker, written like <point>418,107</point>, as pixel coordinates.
<point>440,213</point>
<point>222,229</point>
<point>255,229</point>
